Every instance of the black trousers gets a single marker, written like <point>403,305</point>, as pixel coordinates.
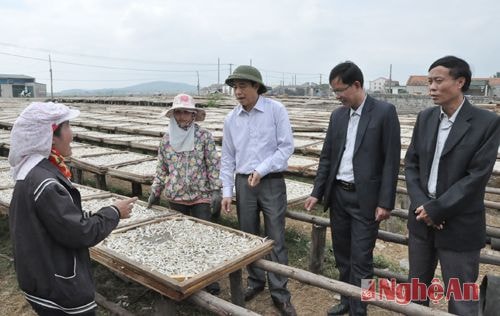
<point>353,239</point>
<point>44,311</point>
<point>201,210</point>
<point>463,265</point>
<point>270,198</point>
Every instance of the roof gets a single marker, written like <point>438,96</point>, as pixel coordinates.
<point>494,81</point>
<point>9,76</point>
<point>422,81</point>
<point>380,78</point>
<point>417,81</point>
<point>478,82</point>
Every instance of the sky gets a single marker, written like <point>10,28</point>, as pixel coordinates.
<point>116,43</point>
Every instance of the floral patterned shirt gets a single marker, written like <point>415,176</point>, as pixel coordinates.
<point>189,176</point>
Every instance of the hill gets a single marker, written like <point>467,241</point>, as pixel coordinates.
<point>148,88</point>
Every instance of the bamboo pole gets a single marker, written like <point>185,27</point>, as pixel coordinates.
<point>344,289</point>
<point>115,309</point>
<point>218,305</point>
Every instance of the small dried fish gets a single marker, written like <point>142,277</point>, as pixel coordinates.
<point>180,246</point>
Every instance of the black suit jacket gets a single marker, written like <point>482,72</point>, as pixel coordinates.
<point>376,156</point>
<point>464,169</point>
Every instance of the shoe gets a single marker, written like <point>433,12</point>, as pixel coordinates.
<point>338,309</point>
<point>251,292</point>
<point>213,288</point>
<point>286,308</point>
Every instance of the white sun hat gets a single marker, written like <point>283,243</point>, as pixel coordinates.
<point>185,102</point>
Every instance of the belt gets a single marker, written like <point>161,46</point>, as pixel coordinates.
<point>347,186</point>
<point>274,175</point>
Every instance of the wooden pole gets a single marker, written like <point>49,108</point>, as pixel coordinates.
<point>136,189</point>
<point>115,309</point>
<point>318,237</point>
<point>100,181</point>
<point>344,289</point>
<point>218,305</point>
<point>237,296</point>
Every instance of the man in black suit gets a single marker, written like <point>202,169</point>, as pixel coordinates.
<point>357,177</point>
<point>447,166</point>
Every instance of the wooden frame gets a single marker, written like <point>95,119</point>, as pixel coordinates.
<point>177,288</point>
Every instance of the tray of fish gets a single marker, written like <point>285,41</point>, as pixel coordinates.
<point>5,198</point>
<point>90,192</point>
<point>298,163</point>
<point>140,211</point>
<point>142,172</point>
<point>7,180</point>
<point>179,254</point>
<point>297,191</point>
<point>149,144</point>
<point>91,151</point>
<point>101,163</point>
<point>4,164</point>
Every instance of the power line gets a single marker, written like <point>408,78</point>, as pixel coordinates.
<point>105,67</point>
<point>108,57</point>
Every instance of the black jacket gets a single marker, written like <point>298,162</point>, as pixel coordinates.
<point>51,237</point>
<point>376,156</point>
<point>464,169</point>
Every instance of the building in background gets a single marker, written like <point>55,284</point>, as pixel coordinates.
<point>21,86</point>
<point>417,85</point>
<point>384,85</point>
<point>494,87</point>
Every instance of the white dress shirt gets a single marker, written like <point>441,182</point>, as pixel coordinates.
<point>259,140</point>
<point>445,126</point>
<point>345,172</point>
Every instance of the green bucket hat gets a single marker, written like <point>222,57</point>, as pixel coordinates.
<point>248,73</point>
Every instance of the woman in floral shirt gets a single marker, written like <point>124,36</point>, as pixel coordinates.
<point>188,165</point>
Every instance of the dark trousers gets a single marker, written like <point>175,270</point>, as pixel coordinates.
<point>463,265</point>
<point>270,198</point>
<point>353,240</point>
<point>44,311</point>
<point>201,210</point>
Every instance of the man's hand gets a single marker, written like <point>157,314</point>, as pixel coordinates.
<point>310,203</point>
<point>125,207</point>
<point>382,214</point>
<point>153,199</point>
<point>254,179</point>
<point>423,216</point>
<point>226,204</point>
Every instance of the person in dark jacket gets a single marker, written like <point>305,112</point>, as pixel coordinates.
<point>447,167</point>
<point>49,231</point>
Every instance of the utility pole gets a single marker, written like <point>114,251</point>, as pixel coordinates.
<point>218,72</point>
<point>390,78</point>
<point>51,82</point>
<point>320,79</point>
<point>283,83</point>
<point>250,61</point>
<point>198,75</point>
<point>230,72</point>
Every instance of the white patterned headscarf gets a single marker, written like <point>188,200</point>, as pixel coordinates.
<point>31,135</point>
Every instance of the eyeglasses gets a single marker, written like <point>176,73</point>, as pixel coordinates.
<point>341,90</point>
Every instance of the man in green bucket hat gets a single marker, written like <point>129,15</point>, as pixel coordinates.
<point>256,145</point>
